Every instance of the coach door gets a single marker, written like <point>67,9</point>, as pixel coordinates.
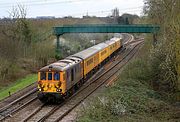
<point>96,59</point>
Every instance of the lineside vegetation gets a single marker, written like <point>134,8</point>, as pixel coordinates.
<point>165,55</point>
<point>132,97</point>
<point>17,85</point>
<point>28,44</point>
<point>148,89</point>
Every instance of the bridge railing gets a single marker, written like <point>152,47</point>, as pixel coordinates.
<point>106,28</point>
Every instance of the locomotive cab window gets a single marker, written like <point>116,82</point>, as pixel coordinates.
<point>43,75</point>
<point>56,76</point>
<point>49,76</point>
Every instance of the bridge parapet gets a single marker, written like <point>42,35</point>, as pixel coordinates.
<point>106,28</point>
<point>102,28</point>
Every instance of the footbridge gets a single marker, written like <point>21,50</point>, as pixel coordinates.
<point>103,28</point>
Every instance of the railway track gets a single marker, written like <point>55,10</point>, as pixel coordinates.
<point>56,113</point>
<point>68,105</point>
<point>18,104</point>
<point>90,90</point>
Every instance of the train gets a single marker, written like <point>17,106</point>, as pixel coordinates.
<point>61,79</point>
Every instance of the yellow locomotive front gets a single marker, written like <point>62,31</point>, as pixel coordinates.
<point>57,80</point>
<point>51,85</point>
<point>50,82</point>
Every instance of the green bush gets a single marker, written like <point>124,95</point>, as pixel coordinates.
<point>138,69</point>
<point>129,97</point>
<point>125,98</point>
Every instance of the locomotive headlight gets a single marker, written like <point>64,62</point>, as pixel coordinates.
<point>39,89</point>
<point>58,90</point>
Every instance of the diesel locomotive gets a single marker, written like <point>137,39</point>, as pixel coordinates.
<point>61,79</point>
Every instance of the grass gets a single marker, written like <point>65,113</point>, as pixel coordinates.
<point>127,100</point>
<point>131,98</point>
<point>18,85</point>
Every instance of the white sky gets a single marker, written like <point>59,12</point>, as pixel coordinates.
<point>75,8</point>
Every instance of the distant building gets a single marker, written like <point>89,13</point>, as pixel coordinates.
<point>45,17</point>
<point>68,17</point>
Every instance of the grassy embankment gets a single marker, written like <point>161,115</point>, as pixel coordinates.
<point>132,97</point>
<point>24,57</point>
<point>17,85</point>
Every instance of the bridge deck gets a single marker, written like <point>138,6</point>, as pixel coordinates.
<point>106,28</point>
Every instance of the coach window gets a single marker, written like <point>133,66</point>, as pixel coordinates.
<point>89,61</point>
<point>43,75</point>
<point>56,76</point>
<point>49,76</point>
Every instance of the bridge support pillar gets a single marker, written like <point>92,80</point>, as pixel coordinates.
<point>154,39</point>
<point>58,55</point>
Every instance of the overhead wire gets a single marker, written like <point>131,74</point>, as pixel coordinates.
<point>35,3</point>
<point>47,2</point>
<point>104,11</point>
<point>125,10</point>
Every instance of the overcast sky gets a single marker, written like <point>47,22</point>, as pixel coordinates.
<point>76,8</point>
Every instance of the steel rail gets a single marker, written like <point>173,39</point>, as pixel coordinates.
<point>34,112</point>
<point>69,110</point>
<point>97,78</point>
<point>57,107</point>
<point>16,105</point>
<point>39,108</point>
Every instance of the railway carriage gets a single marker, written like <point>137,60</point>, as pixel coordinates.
<point>103,51</point>
<point>118,43</point>
<point>114,45</point>
<point>61,78</point>
<point>90,59</point>
<point>111,46</point>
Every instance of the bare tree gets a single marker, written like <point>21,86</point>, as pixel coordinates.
<point>17,30</point>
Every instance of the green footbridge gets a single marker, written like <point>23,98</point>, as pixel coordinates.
<point>103,28</point>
